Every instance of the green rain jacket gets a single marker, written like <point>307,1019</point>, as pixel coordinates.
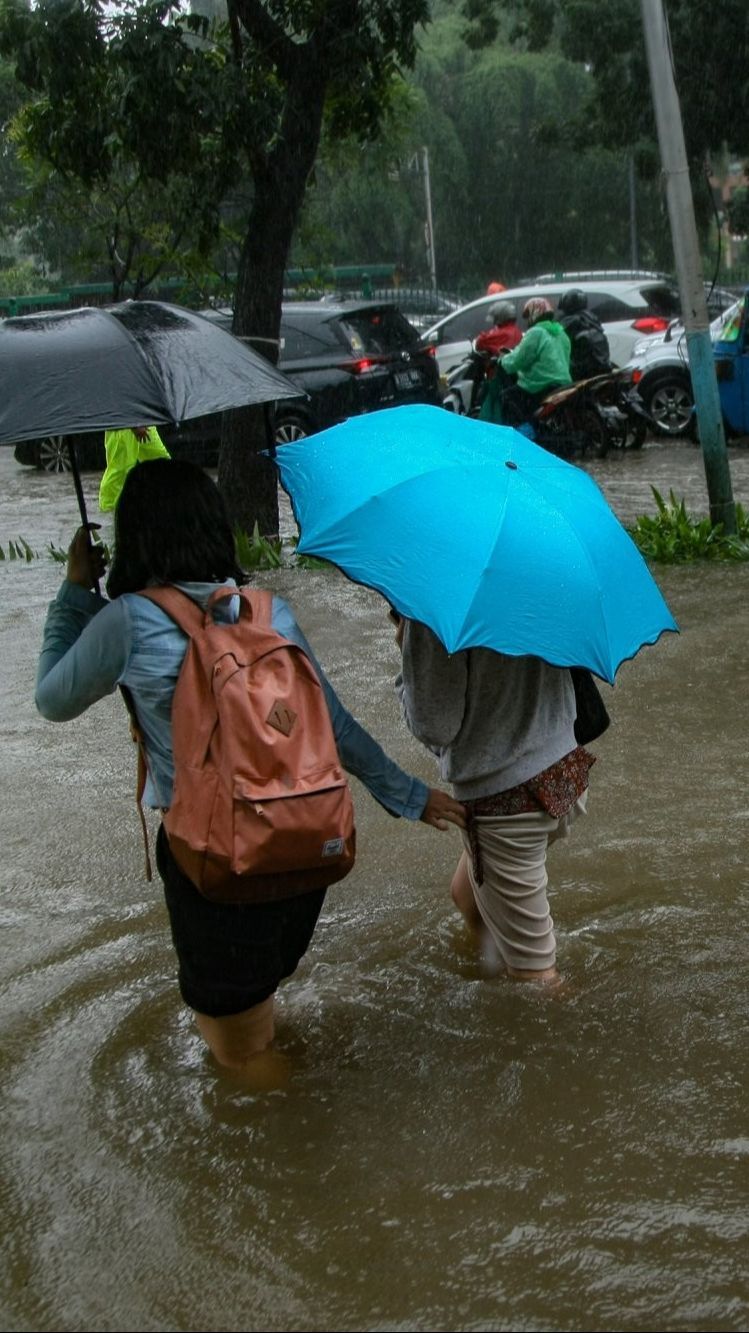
<point>123,450</point>
<point>542,359</point>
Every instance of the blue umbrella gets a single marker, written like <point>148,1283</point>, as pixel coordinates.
<point>478,533</point>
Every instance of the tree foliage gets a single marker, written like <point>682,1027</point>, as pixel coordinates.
<point>514,192</point>
<point>710,44</point>
<point>539,199</point>
<point>738,213</point>
<point>200,102</point>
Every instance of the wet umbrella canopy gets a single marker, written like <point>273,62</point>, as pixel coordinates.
<point>483,536</point>
<point>138,363</point>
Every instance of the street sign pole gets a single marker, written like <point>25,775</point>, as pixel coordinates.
<point>688,264</point>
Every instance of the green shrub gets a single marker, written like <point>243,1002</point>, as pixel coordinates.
<point>673,537</point>
<point>307,561</point>
<point>257,552</point>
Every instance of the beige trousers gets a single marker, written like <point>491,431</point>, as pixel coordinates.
<point>512,898</point>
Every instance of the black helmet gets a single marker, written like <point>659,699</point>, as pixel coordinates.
<point>573,301</point>
<point>502,312</point>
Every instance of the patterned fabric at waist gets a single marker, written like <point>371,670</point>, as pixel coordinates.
<point>555,791</point>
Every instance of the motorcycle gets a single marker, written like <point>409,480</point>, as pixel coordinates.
<point>464,384</point>
<point>571,423</point>
<point>589,416</point>
<point>628,419</point>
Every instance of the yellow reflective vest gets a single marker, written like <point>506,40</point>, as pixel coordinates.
<point>123,450</point>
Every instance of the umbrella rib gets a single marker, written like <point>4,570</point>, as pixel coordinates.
<point>559,515</point>
<point>150,369</point>
<point>592,566</point>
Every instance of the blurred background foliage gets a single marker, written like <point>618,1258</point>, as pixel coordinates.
<point>537,121</point>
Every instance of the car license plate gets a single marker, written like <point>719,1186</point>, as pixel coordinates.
<point>405,379</point>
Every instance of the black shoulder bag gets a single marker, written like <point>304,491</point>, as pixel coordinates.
<point>592,718</point>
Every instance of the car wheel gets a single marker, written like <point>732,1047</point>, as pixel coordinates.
<point>53,454</point>
<point>670,404</point>
<point>290,429</point>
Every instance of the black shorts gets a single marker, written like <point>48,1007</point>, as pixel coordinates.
<point>232,955</point>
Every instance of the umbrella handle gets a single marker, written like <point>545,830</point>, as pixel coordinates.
<point>77,480</point>
<point>79,493</point>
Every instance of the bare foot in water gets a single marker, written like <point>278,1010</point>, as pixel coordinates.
<point>268,1071</point>
<point>549,982</point>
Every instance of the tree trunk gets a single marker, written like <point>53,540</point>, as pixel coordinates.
<point>248,481</point>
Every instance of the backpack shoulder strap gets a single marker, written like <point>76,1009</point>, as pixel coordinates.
<point>261,605</point>
<point>190,617</point>
<point>177,605</point>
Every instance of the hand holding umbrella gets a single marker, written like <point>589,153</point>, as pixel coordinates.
<point>87,559</point>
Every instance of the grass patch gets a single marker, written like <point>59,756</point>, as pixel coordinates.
<point>256,552</point>
<point>18,549</point>
<point>253,552</point>
<point>673,537</point>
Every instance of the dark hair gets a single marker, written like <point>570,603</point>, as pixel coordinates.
<point>170,526</point>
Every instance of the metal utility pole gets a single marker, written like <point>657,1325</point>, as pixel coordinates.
<point>631,184</point>
<point>688,263</point>
<point>418,164</point>
<point>429,225</point>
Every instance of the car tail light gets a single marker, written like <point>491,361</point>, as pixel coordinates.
<point>651,324</point>
<point>359,367</point>
<point>636,376</point>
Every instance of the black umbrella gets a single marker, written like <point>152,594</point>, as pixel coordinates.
<point>109,368</point>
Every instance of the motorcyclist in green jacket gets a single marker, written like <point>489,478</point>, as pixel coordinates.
<point>537,366</point>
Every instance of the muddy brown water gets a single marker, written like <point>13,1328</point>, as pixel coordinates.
<point>450,1152</point>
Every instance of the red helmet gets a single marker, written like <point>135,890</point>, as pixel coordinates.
<point>536,308</point>
<point>494,288</point>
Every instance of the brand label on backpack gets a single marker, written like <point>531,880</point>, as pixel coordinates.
<point>333,847</point>
<point>282,718</point>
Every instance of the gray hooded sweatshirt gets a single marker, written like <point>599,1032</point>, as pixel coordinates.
<point>493,721</point>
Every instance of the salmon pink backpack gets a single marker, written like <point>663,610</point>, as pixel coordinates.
<point>261,808</point>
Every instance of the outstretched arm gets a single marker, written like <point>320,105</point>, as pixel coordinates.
<point>441,810</point>
<point>361,755</point>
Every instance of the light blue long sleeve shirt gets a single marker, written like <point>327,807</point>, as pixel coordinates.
<point>91,646</point>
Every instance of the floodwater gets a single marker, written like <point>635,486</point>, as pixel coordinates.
<point>450,1151</point>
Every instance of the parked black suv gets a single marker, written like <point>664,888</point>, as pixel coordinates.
<point>347,357</point>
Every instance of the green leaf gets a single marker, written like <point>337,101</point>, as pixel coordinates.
<point>672,537</point>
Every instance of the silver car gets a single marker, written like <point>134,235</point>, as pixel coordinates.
<point>629,309</point>
<point>660,370</point>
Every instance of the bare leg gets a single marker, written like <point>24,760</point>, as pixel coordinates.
<point>463,896</point>
<point>236,1038</point>
<point>465,901</point>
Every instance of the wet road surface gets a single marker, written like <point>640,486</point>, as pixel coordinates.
<point>450,1151</point>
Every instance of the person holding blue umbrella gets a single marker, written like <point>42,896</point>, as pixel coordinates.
<point>503,729</point>
<point>513,578</point>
